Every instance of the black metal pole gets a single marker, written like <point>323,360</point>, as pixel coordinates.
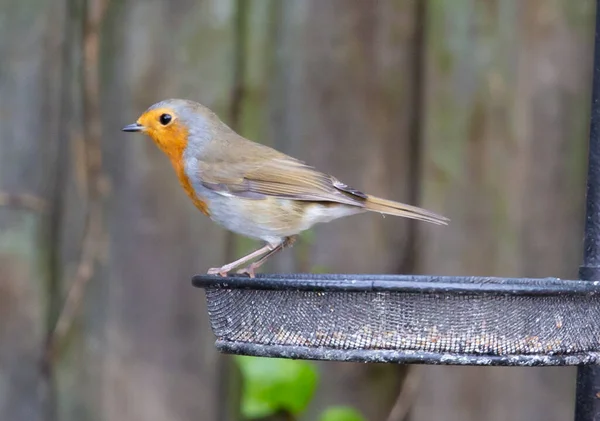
<point>587,404</point>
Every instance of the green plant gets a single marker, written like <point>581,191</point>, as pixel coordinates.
<point>273,386</point>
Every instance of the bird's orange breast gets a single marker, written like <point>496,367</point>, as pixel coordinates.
<point>185,182</point>
<point>173,143</point>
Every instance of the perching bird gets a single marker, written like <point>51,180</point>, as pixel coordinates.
<point>249,188</point>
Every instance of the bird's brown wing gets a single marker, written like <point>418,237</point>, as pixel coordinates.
<point>271,173</point>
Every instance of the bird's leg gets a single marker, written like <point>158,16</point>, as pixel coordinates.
<point>228,267</point>
<point>287,242</point>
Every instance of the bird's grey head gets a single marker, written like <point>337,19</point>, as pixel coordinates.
<point>199,120</point>
<point>177,123</point>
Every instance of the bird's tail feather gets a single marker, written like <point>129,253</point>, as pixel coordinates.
<point>389,207</point>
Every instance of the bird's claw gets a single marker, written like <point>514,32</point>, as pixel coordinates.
<point>247,271</point>
<point>217,271</point>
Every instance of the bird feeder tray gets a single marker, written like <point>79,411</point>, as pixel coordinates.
<point>407,318</point>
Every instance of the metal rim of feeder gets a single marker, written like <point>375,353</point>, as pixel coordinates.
<point>406,318</point>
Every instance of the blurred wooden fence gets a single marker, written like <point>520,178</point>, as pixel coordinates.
<point>475,109</point>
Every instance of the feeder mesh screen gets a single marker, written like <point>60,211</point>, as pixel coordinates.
<point>492,325</point>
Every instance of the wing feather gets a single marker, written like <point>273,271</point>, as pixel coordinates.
<point>278,175</point>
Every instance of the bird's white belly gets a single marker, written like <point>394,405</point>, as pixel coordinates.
<point>265,219</point>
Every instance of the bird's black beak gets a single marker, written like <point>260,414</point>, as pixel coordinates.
<point>135,127</point>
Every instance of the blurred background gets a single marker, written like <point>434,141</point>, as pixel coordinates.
<point>476,109</point>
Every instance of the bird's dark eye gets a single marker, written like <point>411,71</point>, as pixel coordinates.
<point>165,119</point>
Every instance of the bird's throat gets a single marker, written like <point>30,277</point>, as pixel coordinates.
<point>173,145</point>
<point>184,180</point>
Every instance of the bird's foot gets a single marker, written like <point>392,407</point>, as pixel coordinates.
<point>218,271</point>
<point>248,270</point>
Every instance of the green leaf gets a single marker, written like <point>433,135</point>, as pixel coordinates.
<point>341,413</point>
<point>271,385</point>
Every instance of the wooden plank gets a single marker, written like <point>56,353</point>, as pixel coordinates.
<point>143,348</point>
<point>507,98</point>
<point>30,47</point>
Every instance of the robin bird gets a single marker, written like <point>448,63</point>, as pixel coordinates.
<point>252,189</point>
